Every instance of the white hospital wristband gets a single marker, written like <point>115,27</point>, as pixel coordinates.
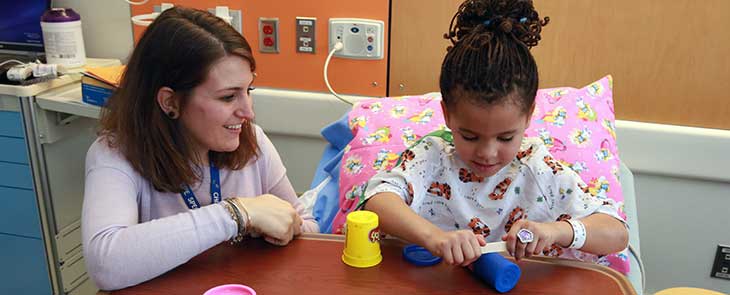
<point>579,234</point>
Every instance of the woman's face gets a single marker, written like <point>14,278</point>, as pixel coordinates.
<point>217,108</point>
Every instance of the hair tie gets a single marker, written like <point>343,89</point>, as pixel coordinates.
<point>489,21</point>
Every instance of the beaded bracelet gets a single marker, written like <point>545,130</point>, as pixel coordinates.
<point>579,233</point>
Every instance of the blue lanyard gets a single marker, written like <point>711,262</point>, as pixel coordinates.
<point>215,190</point>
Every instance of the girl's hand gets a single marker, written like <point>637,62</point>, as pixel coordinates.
<point>461,247</point>
<point>544,236</point>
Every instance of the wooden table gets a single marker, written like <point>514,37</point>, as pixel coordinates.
<point>312,264</point>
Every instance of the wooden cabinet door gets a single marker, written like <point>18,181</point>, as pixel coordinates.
<point>417,46</point>
<point>670,60</point>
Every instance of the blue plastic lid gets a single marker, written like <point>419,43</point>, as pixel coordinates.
<point>419,256</point>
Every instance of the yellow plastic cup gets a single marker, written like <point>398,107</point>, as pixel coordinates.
<point>362,240</point>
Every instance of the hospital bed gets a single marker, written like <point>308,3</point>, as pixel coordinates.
<point>323,197</point>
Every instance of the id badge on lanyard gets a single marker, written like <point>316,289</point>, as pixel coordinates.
<point>215,190</point>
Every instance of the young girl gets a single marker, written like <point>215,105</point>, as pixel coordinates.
<point>481,181</point>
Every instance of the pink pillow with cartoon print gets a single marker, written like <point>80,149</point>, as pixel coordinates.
<point>577,125</point>
<point>382,128</point>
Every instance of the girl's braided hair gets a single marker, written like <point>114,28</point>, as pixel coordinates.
<point>489,59</point>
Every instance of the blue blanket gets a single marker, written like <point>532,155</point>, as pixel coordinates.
<point>338,135</point>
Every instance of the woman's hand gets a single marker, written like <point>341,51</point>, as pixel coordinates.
<point>461,247</point>
<point>279,242</point>
<point>273,218</point>
<point>544,236</point>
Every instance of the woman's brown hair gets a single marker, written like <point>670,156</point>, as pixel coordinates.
<point>176,51</point>
<point>489,59</point>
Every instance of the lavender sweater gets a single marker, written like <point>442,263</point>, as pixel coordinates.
<point>133,233</point>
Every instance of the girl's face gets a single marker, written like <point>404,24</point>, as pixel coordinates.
<point>486,138</point>
<point>217,108</point>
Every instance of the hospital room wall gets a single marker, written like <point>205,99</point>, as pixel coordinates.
<point>106,27</point>
<point>302,71</point>
<point>682,184</point>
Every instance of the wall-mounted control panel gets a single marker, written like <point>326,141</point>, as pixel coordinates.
<point>268,35</point>
<point>362,38</point>
<point>305,32</point>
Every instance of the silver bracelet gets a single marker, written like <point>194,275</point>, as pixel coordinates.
<point>236,216</point>
<point>579,233</point>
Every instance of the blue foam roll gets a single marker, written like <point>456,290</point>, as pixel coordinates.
<point>497,271</point>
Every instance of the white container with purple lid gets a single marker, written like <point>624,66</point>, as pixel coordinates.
<point>62,37</point>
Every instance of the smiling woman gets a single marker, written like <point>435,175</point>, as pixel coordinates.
<point>179,166</point>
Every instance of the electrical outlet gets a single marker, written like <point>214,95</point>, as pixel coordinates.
<point>235,17</point>
<point>305,28</point>
<point>721,267</point>
<point>269,35</point>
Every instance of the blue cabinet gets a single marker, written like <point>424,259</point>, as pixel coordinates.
<point>11,124</point>
<point>24,269</point>
<point>22,250</point>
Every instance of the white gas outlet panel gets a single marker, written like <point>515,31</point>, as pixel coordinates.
<point>362,38</point>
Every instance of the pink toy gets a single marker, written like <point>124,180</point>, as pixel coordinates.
<point>230,289</point>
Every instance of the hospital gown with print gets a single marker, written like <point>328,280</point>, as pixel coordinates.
<point>435,183</point>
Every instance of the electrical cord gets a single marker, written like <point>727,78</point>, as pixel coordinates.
<point>137,3</point>
<point>641,267</point>
<point>338,46</point>
<point>146,19</point>
<point>11,60</point>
